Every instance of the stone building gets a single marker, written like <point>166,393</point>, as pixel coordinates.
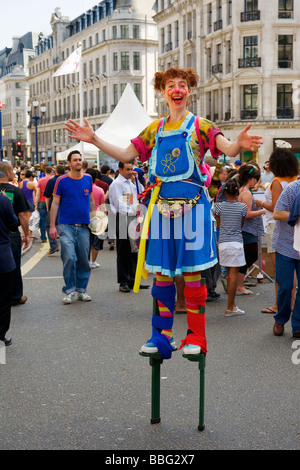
<point>119,46</point>
<point>246,53</point>
<point>14,94</point>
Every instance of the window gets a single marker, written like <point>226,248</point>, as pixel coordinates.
<point>124,60</point>
<point>251,5</point>
<point>285,8</point>
<point>284,101</point>
<point>123,86</point>
<point>115,92</point>
<point>136,31</point>
<point>229,12</point>
<point>115,62</point>
<point>250,47</point>
<point>250,102</point>
<point>137,90</point>
<point>285,52</point>
<point>209,18</point>
<point>18,85</point>
<point>104,64</point>
<point>124,32</point>
<point>136,61</point>
<point>114,32</point>
<point>18,102</point>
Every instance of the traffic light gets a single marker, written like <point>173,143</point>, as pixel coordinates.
<point>19,149</point>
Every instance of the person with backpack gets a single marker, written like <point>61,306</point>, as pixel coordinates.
<point>178,218</point>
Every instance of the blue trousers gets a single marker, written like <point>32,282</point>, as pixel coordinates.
<point>285,269</point>
<point>43,214</point>
<point>75,249</point>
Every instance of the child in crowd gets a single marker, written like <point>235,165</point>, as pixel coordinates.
<point>230,217</point>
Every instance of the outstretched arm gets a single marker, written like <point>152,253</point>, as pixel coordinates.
<point>244,140</point>
<point>87,134</point>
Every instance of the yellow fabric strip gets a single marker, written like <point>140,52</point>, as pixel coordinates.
<point>140,270</point>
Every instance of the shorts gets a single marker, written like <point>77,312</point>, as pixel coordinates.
<point>96,243</point>
<point>231,254</point>
<point>269,236</point>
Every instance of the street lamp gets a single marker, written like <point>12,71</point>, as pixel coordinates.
<point>36,118</point>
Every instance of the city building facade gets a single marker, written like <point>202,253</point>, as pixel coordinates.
<point>119,46</point>
<point>14,95</point>
<point>246,55</point>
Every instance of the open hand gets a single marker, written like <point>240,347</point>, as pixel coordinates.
<point>78,132</point>
<point>249,141</point>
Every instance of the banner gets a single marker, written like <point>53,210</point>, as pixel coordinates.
<point>70,65</point>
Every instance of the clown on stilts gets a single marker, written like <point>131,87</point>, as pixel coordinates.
<point>180,238</point>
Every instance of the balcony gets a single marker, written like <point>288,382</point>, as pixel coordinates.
<point>285,113</point>
<point>286,14</point>
<point>218,68</point>
<point>285,64</point>
<point>250,15</point>
<point>248,114</point>
<point>218,25</point>
<point>250,62</point>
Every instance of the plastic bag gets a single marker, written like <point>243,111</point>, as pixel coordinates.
<point>34,221</point>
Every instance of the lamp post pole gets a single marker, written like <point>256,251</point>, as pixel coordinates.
<point>1,139</point>
<point>36,118</point>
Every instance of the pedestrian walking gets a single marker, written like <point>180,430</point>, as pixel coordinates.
<point>59,171</point>
<point>175,147</point>
<point>73,201</point>
<point>8,223</point>
<point>123,203</point>
<point>287,262</point>
<point>248,176</point>
<point>40,202</point>
<point>21,209</point>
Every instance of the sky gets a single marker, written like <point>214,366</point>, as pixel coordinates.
<point>19,17</point>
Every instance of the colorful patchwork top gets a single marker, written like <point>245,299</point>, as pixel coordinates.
<point>145,142</point>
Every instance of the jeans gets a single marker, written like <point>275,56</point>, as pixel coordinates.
<point>75,249</point>
<point>43,213</point>
<point>53,243</point>
<point>285,269</point>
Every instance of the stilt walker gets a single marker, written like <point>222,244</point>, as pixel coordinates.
<point>178,232</point>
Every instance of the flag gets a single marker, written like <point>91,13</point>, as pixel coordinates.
<point>70,65</point>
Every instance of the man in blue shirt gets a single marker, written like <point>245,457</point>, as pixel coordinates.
<point>73,201</point>
<point>287,262</point>
<point>8,223</point>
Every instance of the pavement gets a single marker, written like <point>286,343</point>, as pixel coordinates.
<point>74,380</point>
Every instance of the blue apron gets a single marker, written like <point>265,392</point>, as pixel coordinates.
<point>185,243</point>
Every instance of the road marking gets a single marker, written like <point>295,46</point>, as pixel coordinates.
<point>41,277</point>
<point>30,264</point>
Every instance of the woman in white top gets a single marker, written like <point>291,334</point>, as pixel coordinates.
<point>284,165</point>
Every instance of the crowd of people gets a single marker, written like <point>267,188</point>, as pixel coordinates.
<point>200,219</point>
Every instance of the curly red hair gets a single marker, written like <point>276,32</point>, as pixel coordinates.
<point>161,78</point>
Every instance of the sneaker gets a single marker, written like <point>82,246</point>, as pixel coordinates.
<point>94,265</point>
<point>150,348</point>
<point>84,297</point>
<point>50,252</point>
<point>191,349</point>
<point>233,313</point>
<point>68,299</point>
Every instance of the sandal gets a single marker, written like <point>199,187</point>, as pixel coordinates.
<point>268,310</point>
<point>246,292</point>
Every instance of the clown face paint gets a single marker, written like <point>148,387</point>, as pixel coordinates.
<point>176,91</point>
